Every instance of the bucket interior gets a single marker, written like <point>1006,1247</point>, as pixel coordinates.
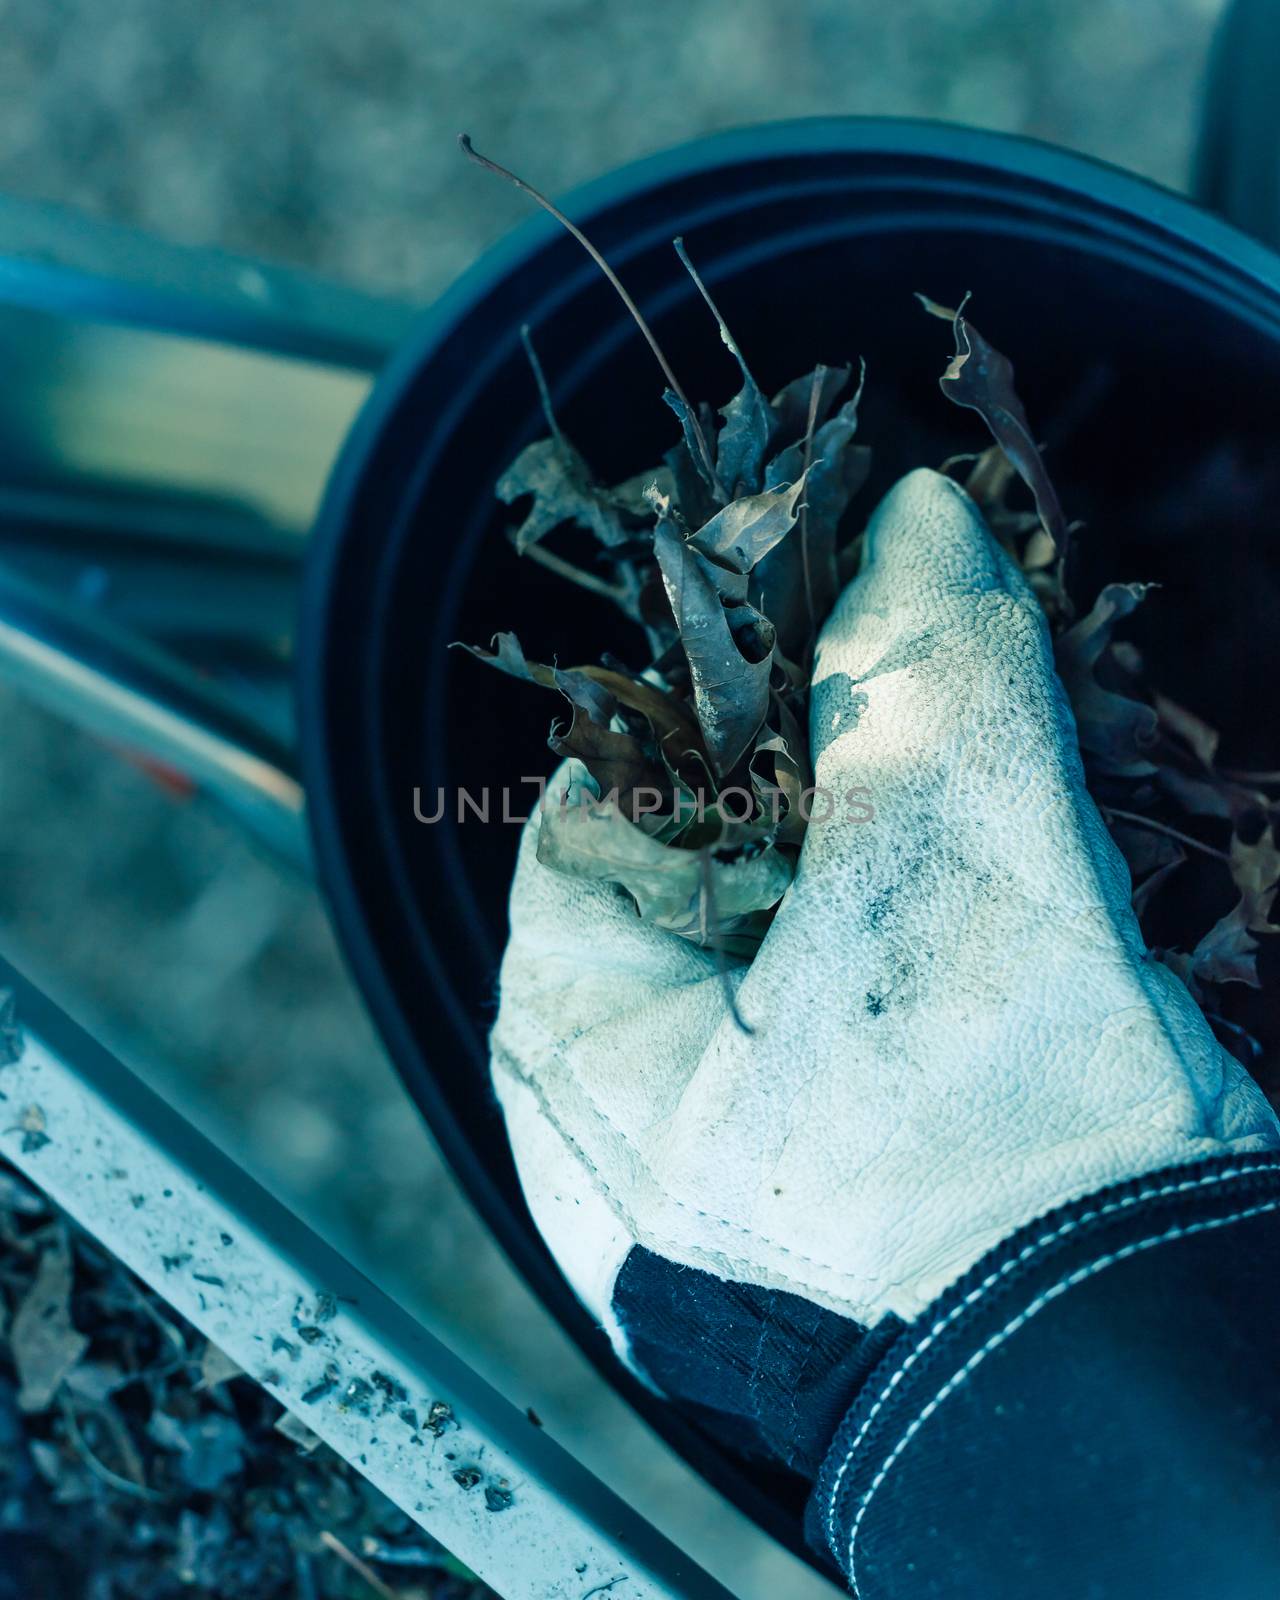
<point>1150,367</point>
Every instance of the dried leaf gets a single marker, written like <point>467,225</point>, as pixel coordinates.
<point>632,495</point>
<point>792,402</point>
<point>1116,731</point>
<point>744,440</point>
<point>1194,732</point>
<point>750,423</point>
<point>1255,871</point>
<point>614,759</point>
<point>216,1367</point>
<point>297,1432</point>
<point>728,649</point>
<point>981,379</point>
<point>508,656</point>
<point>96,1381</point>
<point>1021,533</point>
<point>745,530</point>
<point>46,1343</point>
<point>1199,797</point>
<point>836,471</point>
<point>802,576</point>
<point>589,837</point>
<point>1227,953</point>
<point>559,480</point>
<point>674,730</point>
<point>782,790</point>
<point>698,490</point>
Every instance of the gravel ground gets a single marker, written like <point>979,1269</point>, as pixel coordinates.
<point>321,136</point>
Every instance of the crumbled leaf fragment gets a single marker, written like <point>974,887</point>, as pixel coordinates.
<point>559,481</point>
<point>46,1343</point>
<point>216,1367</point>
<point>33,1126</point>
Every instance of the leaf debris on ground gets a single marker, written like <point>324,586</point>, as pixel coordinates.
<point>138,1463</point>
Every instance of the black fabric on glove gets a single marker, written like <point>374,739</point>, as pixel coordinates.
<point>1091,1413</point>
<point>769,1373</point>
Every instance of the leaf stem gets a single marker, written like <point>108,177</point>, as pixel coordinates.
<point>540,378</point>
<point>1237,775</point>
<point>586,580</point>
<point>711,305</point>
<point>332,1543</point>
<point>468,149</point>
<point>1163,827</point>
<point>815,394</point>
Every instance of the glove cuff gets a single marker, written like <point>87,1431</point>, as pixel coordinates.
<point>1093,1409</point>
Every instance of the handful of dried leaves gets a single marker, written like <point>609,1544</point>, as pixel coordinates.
<point>729,555</point>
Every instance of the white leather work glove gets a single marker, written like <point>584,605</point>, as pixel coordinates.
<point>956,1023</point>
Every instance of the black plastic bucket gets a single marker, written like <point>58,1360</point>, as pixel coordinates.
<point>1147,340</point>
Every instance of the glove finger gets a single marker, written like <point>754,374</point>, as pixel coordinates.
<point>602,1020</point>
<point>930,570</point>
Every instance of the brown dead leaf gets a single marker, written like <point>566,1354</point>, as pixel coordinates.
<point>980,378</point>
<point>1118,732</point>
<point>1193,731</point>
<point>45,1342</point>
<point>729,650</point>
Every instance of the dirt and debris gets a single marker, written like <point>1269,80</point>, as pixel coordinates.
<point>137,1461</point>
<point>32,1125</point>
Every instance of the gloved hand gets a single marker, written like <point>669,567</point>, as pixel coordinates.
<point>956,1025</point>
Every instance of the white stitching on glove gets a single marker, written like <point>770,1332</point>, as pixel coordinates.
<point>956,1023</point>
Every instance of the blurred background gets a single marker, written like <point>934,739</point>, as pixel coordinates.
<point>320,136</point>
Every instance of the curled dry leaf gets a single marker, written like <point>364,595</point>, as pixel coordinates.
<point>729,650</point>
<point>1117,731</point>
<point>589,836</point>
<point>750,423</point>
<point>1193,731</point>
<point>1228,953</point>
<point>980,378</point>
<point>744,531</point>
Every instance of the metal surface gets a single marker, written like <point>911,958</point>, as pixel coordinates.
<point>467,1466</point>
<point>167,424</point>
<point>100,272</point>
<point>121,689</point>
